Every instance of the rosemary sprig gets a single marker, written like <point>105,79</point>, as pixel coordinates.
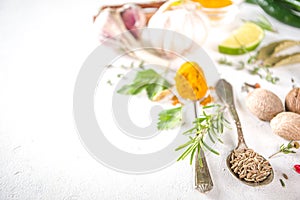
<point>289,148</point>
<point>206,124</point>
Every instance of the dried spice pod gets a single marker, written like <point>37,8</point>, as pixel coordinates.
<point>271,61</point>
<point>264,104</point>
<point>290,59</point>
<point>286,125</point>
<point>292,101</point>
<point>269,53</point>
<point>284,44</point>
<point>282,60</point>
<point>266,51</point>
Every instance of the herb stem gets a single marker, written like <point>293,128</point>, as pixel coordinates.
<point>274,154</point>
<point>195,109</point>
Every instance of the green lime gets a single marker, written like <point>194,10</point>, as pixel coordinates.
<point>246,38</point>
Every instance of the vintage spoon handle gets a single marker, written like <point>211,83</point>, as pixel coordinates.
<point>203,181</point>
<point>225,93</point>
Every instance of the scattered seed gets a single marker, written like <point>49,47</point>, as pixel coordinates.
<point>249,165</point>
<point>282,183</point>
<point>285,176</point>
<point>249,175</point>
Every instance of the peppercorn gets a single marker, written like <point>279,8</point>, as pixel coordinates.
<point>297,168</point>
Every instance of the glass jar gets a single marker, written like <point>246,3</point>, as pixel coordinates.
<point>220,12</point>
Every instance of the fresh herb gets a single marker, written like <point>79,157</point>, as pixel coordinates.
<point>131,66</point>
<point>109,82</point>
<point>264,23</point>
<point>252,59</point>
<point>262,71</point>
<point>289,148</point>
<point>148,80</point>
<point>282,183</point>
<point>120,75</point>
<point>241,65</point>
<point>224,61</point>
<point>169,119</point>
<point>141,65</point>
<point>206,124</point>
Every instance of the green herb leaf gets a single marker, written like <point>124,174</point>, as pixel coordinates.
<point>289,148</point>
<point>209,148</point>
<point>264,23</point>
<point>169,119</point>
<point>208,123</point>
<point>184,145</point>
<point>224,61</point>
<point>262,71</point>
<point>148,80</point>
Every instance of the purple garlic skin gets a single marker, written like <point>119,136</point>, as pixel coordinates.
<point>134,18</point>
<point>111,22</point>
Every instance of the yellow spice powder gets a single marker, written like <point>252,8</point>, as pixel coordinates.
<point>190,81</point>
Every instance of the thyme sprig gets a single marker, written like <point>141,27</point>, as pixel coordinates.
<point>289,148</point>
<point>264,72</point>
<point>210,124</point>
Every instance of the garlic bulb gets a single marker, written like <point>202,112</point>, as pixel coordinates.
<point>182,16</point>
<point>111,22</point>
<point>121,28</point>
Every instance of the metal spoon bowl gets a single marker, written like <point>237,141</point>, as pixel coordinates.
<point>225,93</point>
<point>268,180</point>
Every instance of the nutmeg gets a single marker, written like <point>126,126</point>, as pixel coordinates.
<point>286,125</point>
<point>264,104</point>
<point>292,101</point>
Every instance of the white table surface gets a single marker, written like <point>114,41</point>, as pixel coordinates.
<point>43,45</point>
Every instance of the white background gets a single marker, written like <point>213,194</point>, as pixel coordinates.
<point>43,45</point>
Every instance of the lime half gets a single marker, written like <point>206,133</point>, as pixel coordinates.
<point>246,38</point>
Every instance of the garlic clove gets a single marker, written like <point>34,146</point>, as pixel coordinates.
<point>108,24</point>
<point>133,18</point>
<point>111,22</point>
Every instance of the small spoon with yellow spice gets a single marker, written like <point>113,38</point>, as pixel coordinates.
<point>191,85</point>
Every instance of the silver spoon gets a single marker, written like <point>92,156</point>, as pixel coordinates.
<point>203,181</point>
<point>225,93</point>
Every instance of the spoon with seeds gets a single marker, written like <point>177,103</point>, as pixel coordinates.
<point>245,164</point>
